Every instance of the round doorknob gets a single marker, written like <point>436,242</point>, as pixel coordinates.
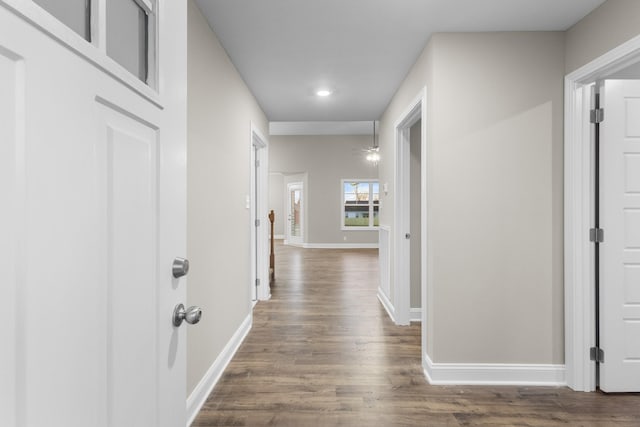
<point>191,315</point>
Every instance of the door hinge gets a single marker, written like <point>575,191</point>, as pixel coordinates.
<point>597,115</point>
<point>257,283</point>
<point>596,354</point>
<point>596,235</point>
<point>257,223</point>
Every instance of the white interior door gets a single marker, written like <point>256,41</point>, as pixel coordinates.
<point>258,223</point>
<point>259,217</point>
<point>295,213</point>
<point>93,184</point>
<point>620,251</point>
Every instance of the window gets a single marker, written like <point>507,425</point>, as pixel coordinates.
<point>75,14</point>
<point>128,28</point>
<point>360,204</point>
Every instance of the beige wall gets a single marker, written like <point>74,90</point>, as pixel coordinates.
<point>494,182</point>
<point>610,25</point>
<point>326,160</point>
<point>220,111</point>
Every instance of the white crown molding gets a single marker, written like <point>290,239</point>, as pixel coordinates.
<point>321,128</point>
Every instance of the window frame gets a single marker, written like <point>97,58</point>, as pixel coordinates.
<point>371,204</point>
<point>92,45</point>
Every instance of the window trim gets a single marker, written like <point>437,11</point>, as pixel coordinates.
<point>370,227</point>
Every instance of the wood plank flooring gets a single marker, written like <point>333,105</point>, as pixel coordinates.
<point>323,352</point>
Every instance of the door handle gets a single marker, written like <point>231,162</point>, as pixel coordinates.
<point>191,315</point>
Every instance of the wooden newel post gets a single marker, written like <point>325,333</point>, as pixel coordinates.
<point>272,264</point>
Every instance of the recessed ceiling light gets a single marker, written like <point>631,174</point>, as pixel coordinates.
<point>323,92</point>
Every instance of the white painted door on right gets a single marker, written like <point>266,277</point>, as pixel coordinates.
<point>620,251</point>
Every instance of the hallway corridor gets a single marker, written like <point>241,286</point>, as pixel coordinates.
<point>323,352</point>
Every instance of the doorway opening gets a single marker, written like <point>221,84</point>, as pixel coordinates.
<point>586,248</point>
<point>260,289</point>
<point>410,229</point>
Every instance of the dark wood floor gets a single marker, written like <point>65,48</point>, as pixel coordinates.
<point>322,352</point>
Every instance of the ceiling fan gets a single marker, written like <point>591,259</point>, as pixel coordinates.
<point>373,152</point>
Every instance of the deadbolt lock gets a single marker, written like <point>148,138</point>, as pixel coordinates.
<point>180,267</point>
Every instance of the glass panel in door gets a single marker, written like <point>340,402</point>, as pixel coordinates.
<point>128,36</point>
<point>295,198</point>
<point>75,14</point>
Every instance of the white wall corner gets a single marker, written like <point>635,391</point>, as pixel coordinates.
<point>493,374</point>
<point>387,305</point>
<point>415,315</point>
<point>199,395</point>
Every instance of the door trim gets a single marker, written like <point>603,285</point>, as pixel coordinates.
<point>259,267</point>
<point>579,300</point>
<point>415,111</point>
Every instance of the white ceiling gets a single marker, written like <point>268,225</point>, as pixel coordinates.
<point>361,49</point>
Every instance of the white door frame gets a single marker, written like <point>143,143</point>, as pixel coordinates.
<point>579,300</point>
<point>259,148</point>
<point>402,284</point>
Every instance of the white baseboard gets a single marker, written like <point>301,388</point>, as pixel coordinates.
<point>340,245</point>
<point>391,311</point>
<point>199,395</point>
<point>415,315</point>
<point>493,374</point>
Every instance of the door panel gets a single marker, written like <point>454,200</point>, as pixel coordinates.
<point>93,222</point>
<point>131,270</point>
<point>620,251</point>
